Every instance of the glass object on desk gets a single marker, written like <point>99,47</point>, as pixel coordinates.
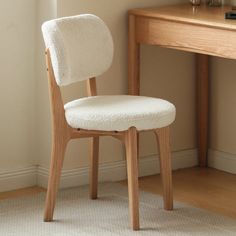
<point>214,3</point>
<point>195,2</point>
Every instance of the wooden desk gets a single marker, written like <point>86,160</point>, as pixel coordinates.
<point>202,30</point>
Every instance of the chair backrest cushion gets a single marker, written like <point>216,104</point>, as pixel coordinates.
<point>81,47</point>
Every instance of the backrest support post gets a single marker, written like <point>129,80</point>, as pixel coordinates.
<point>91,87</point>
<point>59,124</point>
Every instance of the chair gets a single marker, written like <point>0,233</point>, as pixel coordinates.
<point>80,48</point>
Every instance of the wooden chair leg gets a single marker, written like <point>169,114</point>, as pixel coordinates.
<point>58,152</point>
<point>132,170</point>
<point>163,138</point>
<point>94,157</point>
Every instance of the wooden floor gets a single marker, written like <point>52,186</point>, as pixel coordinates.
<point>203,188</point>
<point>21,193</point>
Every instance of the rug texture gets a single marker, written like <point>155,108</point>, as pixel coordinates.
<point>76,215</point>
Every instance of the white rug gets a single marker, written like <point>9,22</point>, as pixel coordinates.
<point>76,215</point>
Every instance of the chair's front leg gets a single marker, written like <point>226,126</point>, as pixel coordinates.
<point>163,138</point>
<point>58,152</point>
<point>94,157</point>
<point>132,170</point>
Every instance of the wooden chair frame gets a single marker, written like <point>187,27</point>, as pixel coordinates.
<point>62,133</point>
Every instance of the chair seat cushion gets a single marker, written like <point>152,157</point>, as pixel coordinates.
<point>119,113</point>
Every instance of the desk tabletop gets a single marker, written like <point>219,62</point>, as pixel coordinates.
<point>186,13</point>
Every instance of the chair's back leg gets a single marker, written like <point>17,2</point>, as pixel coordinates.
<point>61,134</point>
<point>132,170</point>
<point>94,147</point>
<point>94,157</point>
<point>163,139</point>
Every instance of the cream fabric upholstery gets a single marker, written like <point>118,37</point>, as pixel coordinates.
<point>81,47</point>
<point>118,113</point>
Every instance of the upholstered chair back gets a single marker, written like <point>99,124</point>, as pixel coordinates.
<point>81,47</point>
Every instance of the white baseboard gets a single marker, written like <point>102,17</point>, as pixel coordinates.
<point>222,161</point>
<point>16,179</point>
<point>80,176</point>
<point>115,171</point>
<point>37,175</point>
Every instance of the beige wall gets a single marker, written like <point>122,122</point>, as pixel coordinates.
<point>223,103</point>
<point>17,95</point>
<point>46,10</point>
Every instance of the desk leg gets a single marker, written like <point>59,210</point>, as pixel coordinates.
<point>133,64</point>
<point>134,59</point>
<point>202,76</point>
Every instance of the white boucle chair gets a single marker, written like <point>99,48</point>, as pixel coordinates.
<point>81,48</point>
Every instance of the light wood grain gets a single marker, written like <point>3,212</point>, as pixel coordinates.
<point>60,137</point>
<point>163,139</point>
<point>185,13</point>
<point>204,188</point>
<point>81,133</point>
<point>201,30</point>
<point>94,157</point>
<point>133,59</point>
<point>186,37</point>
<point>94,147</point>
<point>132,171</point>
<point>91,87</point>
<point>202,82</point>
<point>25,192</point>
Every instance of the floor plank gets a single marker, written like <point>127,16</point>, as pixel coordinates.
<point>21,193</point>
<point>201,187</point>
